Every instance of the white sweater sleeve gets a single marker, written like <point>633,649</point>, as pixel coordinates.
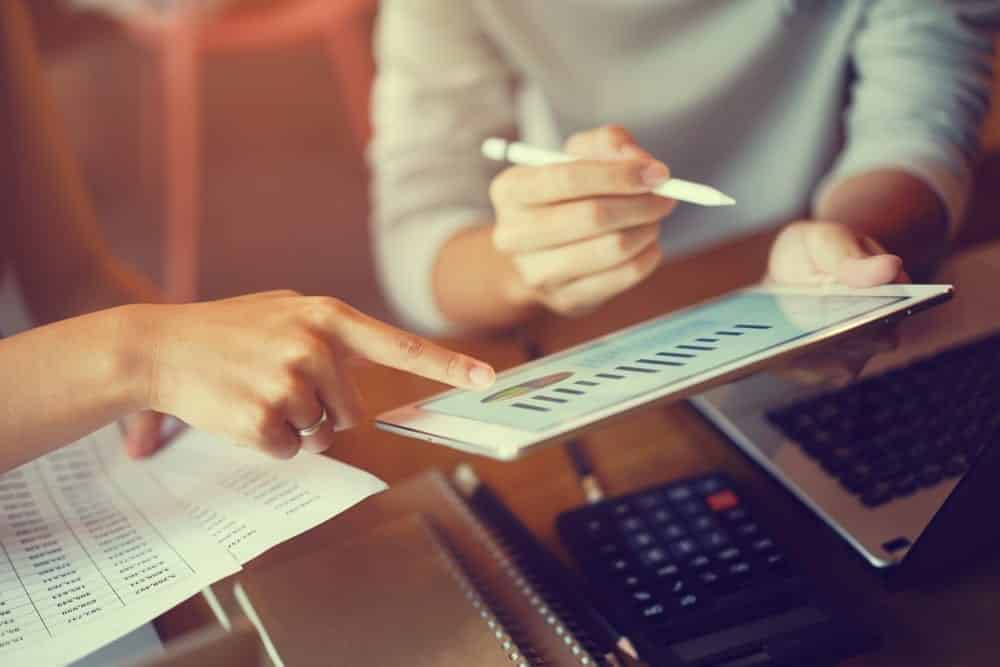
<point>923,75</point>
<point>440,89</point>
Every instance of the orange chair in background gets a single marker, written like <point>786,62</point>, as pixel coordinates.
<point>179,41</point>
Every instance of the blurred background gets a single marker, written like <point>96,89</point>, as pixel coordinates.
<point>258,105</point>
<point>223,139</point>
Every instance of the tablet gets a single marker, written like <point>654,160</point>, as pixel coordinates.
<point>663,359</point>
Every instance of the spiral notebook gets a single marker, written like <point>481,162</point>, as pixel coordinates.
<point>412,576</point>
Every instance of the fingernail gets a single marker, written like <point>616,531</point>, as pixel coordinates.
<point>482,376</point>
<point>655,173</point>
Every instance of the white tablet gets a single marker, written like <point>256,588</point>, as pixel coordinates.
<point>660,360</point>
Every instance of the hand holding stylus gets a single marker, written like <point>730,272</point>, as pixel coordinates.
<point>578,233</point>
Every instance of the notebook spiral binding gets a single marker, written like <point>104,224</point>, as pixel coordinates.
<point>559,618</point>
<point>505,628</point>
<point>548,603</point>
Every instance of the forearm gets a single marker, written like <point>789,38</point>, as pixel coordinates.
<point>475,286</point>
<point>67,379</point>
<point>896,209</point>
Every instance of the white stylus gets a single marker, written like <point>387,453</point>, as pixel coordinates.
<point>675,188</point>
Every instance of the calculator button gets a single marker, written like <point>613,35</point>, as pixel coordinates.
<point>653,557</point>
<point>673,531</point>
<point>632,581</point>
<point>730,554</point>
<point>703,523</point>
<point>648,501</point>
<point>710,485</point>
<point>595,527</point>
<point>698,562</point>
<point>740,569</point>
<point>736,514</point>
<point>776,562</point>
<point>679,493</point>
<point>684,548</point>
<point>661,515</point>
<point>621,509</point>
<point>689,601</point>
<point>692,508</point>
<point>714,540</point>
<point>763,544</point>
<point>709,578</point>
<point>654,613</point>
<point>677,587</point>
<point>642,596</point>
<point>667,571</point>
<point>641,540</point>
<point>620,565</point>
<point>609,549</point>
<point>722,501</point>
<point>747,529</point>
<point>631,524</point>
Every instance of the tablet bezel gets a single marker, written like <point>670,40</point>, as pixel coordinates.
<point>506,443</point>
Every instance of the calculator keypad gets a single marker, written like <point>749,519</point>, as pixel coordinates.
<point>681,551</point>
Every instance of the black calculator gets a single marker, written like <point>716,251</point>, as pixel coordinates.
<point>690,576</point>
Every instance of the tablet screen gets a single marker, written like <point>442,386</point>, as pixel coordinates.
<point>649,358</point>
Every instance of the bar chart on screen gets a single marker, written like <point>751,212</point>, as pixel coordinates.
<point>649,358</point>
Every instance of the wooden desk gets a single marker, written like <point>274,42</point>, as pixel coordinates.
<point>952,623</point>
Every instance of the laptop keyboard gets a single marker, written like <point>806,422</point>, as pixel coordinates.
<point>890,435</point>
<point>685,560</point>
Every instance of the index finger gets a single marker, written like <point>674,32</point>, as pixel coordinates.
<point>577,180</point>
<point>389,346</point>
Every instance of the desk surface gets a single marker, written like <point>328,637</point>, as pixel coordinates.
<point>952,623</point>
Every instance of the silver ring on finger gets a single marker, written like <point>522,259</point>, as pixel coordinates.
<point>313,428</point>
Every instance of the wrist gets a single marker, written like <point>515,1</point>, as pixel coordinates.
<point>135,351</point>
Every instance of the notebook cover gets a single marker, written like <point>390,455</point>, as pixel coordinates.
<point>394,597</point>
<point>542,637</point>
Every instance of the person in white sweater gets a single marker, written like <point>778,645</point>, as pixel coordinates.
<point>853,122</point>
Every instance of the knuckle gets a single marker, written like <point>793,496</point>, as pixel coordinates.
<point>533,273</point>
<point>326,308</point>
<point>502,186</point>
<point>455,367</point>
<point>595,212</point>
<point>565,178</point>
<point>287,386</point>
<point>261,419</point>
<point>562,303</point>
<point>616,135</point>
<point>621,244</point>
<point>626,175</point>
<point>661,206</point>
<point>303,348</point>
<point>411,347</point>
<point>503,238</point>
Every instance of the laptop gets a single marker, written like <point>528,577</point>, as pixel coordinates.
<point>901,461</point>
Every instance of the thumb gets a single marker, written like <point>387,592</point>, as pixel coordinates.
<point>850,258</point>
<point>143,437</point>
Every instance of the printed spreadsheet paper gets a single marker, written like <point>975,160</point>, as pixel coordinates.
<point>94,545</point>
<point>249,502</point>
<point>91,548</point>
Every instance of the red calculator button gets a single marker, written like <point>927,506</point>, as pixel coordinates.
<point>722,501</point>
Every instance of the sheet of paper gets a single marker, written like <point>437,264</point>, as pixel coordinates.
<point>91,548</point>
<point>250,502</point>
